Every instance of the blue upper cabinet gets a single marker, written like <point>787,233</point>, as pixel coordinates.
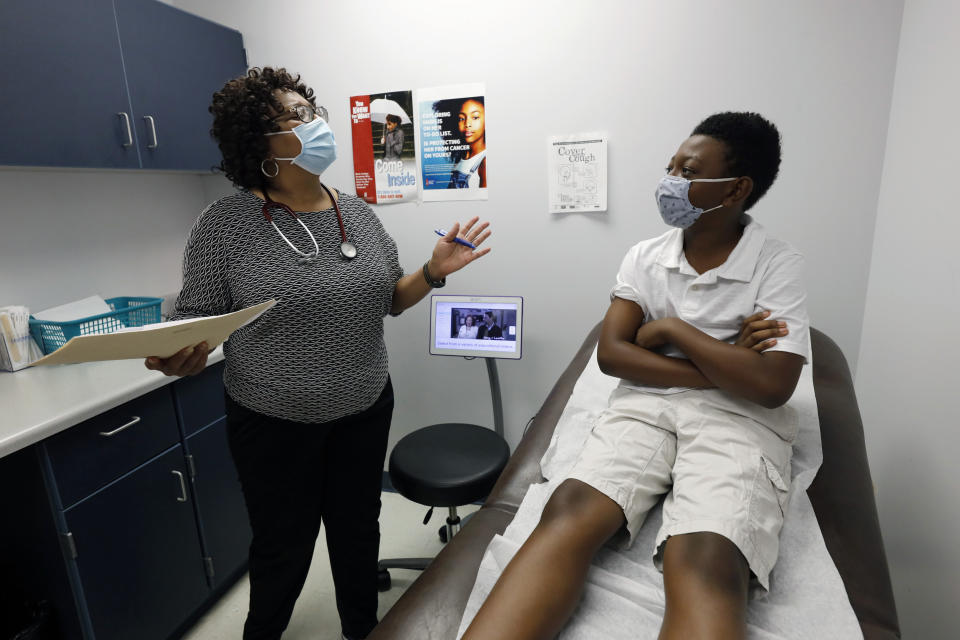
<point>111,84</point>
<point>63,97</point>
<point>174,62</point>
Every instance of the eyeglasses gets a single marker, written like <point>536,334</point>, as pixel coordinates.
<point>304,113</point>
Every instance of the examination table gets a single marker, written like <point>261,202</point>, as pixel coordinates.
<point>842,495</point>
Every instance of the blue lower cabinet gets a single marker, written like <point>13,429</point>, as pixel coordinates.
<point>98,451</point>
<point>200,400</point>
<point>221,511</point>
<point>129,524</point>
<point>138,552</point>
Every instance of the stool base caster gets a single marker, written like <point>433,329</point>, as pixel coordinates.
<point>442,531</point>
<point>383,580</point>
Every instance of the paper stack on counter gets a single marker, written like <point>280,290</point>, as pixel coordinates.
<point>161,340</point>
<point>17,348</point>
<point>92,306</point>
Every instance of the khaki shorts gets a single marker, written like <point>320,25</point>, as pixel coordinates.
<point>722,470</point>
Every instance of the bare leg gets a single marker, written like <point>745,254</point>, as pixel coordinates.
<point>540,587</point>
<point>705,581</point>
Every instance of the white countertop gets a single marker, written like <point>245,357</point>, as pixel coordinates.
<point>38,402</point>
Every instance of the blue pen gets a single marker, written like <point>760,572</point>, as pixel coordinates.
<point>441,232</point>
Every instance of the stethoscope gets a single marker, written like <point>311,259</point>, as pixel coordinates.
<point>347,249</point>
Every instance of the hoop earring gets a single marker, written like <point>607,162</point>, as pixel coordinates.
<point>276,168</point>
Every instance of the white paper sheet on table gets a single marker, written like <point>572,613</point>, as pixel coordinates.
<point>623,597</point>
<point>90,306</point>
<point>161,340</point>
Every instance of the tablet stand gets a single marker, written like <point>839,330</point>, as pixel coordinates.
<point>495,395</point>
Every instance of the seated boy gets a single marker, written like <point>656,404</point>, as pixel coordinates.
<point>697,330</point>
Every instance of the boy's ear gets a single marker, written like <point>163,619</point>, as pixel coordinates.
<point>742,188</point>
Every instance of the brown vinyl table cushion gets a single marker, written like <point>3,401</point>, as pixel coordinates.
<point>842,497</point>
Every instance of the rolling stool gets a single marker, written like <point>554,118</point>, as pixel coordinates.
<point>447,465</point>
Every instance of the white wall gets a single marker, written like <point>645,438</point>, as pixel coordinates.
<point>908,356</point>
<point>646,72</point>
<point>69,234</point>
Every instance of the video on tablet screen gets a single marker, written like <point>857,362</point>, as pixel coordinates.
<point>485,326</point>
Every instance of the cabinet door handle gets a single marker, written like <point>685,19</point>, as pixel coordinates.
<point>107,434</point>
<point>183,487</point>
<point>153,131</point>
<point>126,121</point>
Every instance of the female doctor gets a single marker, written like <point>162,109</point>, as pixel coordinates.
<point>309,398</point>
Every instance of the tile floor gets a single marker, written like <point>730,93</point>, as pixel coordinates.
<point>315,616</point>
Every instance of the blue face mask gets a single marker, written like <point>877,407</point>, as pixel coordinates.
<point>318,148</point>
<point>673,198</point>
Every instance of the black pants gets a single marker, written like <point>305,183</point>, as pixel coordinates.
<point>293,476</point>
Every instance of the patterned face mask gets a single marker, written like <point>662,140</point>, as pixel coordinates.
<point>673,198</point>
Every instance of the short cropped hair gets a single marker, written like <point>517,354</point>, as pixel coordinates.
<point>243,111</point>
<point>395,119</point>
<point>753,147</point>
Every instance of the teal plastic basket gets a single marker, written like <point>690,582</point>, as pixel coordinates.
<point>127,312</point>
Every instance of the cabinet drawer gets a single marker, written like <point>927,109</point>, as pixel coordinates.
<point>201,398</point>
<point>84,457</point>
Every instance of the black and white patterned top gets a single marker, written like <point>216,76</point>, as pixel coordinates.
<point>319,354</point>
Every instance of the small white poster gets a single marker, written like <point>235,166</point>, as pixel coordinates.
<point>577,173</point>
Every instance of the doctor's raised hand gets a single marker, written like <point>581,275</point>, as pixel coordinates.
<point>452,254</point>
<point>455,250</point>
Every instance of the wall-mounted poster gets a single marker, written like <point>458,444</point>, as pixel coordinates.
<point>577,173</point>
<point>384,150</point>
<point>452,141</point>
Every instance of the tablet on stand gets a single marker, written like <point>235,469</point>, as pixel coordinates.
<point>487,327</point>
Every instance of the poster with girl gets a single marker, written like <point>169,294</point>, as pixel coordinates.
<point>451,138</point>
<point>384,153</point>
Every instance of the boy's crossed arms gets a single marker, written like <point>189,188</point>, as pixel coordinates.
<point>744,368</point>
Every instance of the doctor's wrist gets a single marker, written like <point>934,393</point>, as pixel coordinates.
<point>432,277</point>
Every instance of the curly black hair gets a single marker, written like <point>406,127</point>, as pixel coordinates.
<point>753,147</point>
<point>242,112</point>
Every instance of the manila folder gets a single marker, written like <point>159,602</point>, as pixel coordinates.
<point>161,340</point>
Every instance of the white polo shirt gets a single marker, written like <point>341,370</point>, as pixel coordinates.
<point>760,273</point>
